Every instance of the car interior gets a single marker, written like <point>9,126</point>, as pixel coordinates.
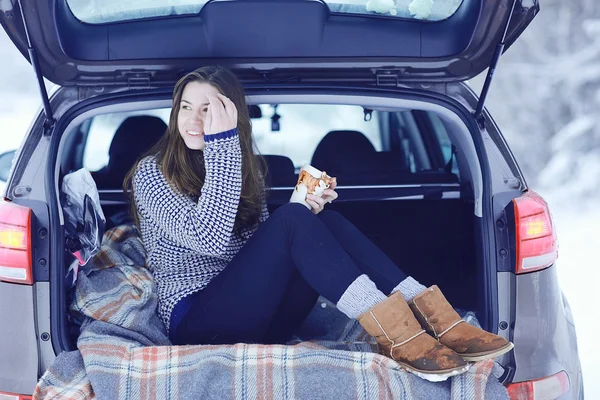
<point>399,181</point>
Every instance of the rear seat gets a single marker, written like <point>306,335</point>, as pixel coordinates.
<point>352,158</point>
<point>339,150</point>
<point>135,136</point>
<point>346,154</point>
<point>281,171</point>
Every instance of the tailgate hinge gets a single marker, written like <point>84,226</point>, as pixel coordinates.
<point>35,63</point>
<point>492,68</point>
<point>138,80</point>
<point>388,77</point>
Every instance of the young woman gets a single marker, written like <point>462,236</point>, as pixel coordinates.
<point>227,272</point>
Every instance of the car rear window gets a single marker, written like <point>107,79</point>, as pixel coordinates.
<point>106,11</point>
<point>358,145</point>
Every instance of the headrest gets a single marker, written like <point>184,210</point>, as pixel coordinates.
<point>350,143</point>
<point>135,136</point>
<point>254,111</point>
<point>281,171</point>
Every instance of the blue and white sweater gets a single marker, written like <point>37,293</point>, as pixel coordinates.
<point>189,243</point>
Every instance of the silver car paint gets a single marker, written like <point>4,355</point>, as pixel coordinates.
<point>47,354</point>
<point>544,335</point>
<point>18,344</point>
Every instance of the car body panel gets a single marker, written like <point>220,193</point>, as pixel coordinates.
<point>18,344</point>
<point>544,332</point>
<point>47,353</point>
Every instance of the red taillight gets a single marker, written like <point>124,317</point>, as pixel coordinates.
<point>549,388</point>
<point>537,246</point>
<point>15,243</point>
<point>11,396</point>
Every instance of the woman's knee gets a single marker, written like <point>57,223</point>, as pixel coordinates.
<point>330,217</point>
<point>292,211</point>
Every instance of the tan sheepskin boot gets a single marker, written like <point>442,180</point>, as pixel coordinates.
<point>440,320</point>
<point>401,338</point>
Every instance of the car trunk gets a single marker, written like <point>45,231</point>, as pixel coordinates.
<point>426,223</point>
<point>432,240</point>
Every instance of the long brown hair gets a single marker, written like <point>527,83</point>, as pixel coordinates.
<point>184,168</point>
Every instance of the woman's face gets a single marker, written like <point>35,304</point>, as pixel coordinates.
<point>192,113</point>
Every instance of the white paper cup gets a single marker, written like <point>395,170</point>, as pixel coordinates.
<point>301,191</point>
<point>299,196</point>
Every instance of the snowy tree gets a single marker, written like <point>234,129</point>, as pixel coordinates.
<point>545,97</point>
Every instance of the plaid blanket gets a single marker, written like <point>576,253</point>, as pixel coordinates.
<point>124,352</point>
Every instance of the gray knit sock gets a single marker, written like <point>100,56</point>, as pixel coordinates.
<point>359,297</point>
<point>409,288</point>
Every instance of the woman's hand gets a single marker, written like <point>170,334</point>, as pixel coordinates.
<point>317,203</point>
<point>221,115</point>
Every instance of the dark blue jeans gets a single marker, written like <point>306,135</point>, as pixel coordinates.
<point>271,285</point>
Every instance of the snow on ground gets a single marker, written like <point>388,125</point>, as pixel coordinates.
<point>579,274</point>
<point>578,227</point>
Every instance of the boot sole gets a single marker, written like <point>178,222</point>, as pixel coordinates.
<point>435,376</point>
<point>487,355</point>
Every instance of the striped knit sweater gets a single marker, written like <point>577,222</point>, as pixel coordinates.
<point>189,243</point>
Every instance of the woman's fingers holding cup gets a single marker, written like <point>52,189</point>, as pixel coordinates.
<point>316,203</point>
<point>329,195</point>
<point>314,206</point>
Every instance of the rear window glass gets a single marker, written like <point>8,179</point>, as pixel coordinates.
<point>292,130</point>
<point>358,145</point>
<point>97,12</point>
